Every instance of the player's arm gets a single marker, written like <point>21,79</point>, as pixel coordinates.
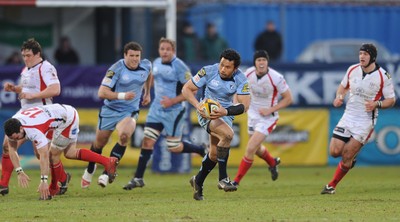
<point>340,94</point>
<point>188,92</point>
<point>50,91</point>
<point>23,179</point>
<point>106,93</point>
<point>146,90</point>
<point>44,171</point>
<point>10,87</point>
<point>285,101</point>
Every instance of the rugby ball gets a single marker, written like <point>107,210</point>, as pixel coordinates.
<point>209,105</point>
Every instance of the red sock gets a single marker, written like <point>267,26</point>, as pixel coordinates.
<point>7,169</point>
<point>57,174</point>
<point>341,171</point>
<point>90,156</point>
<point>244,166</point>
<point>268,158</point>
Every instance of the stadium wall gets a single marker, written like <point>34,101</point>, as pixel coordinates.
<point>300,24</point>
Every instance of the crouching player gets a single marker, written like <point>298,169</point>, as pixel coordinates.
<point>57,125</point>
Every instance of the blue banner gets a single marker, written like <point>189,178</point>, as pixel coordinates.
<point>311,84</point>
<point>383,148</point>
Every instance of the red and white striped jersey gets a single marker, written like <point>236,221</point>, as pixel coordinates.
<point>264,91</point>
<point>361,89</point>
<point>36,79</point>
<point>42,122</point>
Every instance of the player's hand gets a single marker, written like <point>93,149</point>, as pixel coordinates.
<point>129,95</point>
<point>264,112</point>
<point>146,100</point>
<point>23,180</point>
<point>338,101</point>
<point>44,190</point>
<point>166,102</point>
<point>217,113</point>
<point>26,96</point>
<point>370,105</point>
<point>9,87</point>
<point>200,110</point>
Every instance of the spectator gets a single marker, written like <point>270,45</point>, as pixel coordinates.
<point>189,45</point>
<point>270,40</point>
<point>212,44</point>
<point>65,54</point>
<point>14,59</point>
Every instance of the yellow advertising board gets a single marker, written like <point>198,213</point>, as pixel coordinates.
<point>301,138</point>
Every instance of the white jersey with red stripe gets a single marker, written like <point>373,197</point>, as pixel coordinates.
<point>372,86</point>
<point>264,91</point>
<point>43,123</point>
<point>37,79</point>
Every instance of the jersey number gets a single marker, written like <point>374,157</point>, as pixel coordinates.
<point>32,112</point>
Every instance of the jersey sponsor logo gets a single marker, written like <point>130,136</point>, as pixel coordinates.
<point>246,88</point>
<point>201,72</point>
<point>110,74</point>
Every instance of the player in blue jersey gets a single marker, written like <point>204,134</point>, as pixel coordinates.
<point>166,111</point>
<point>121,90</point>
<point>221,81</point>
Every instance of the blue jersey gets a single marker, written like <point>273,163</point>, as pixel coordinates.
<point>221,90</point>
<point>168,81</point>
<point>122,79</point>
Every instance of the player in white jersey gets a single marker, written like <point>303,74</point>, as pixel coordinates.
<point>370,88</point>
<point>38,84</point>
<point>55,125</point>
<point>266,85</point>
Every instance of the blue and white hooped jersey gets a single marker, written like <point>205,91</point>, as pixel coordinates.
<point>221,90</point>
<point>168,81</point>
<point>122,79</point>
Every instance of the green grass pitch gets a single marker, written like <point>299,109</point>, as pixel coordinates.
<point>365,194</point>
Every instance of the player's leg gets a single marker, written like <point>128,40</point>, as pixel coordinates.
<point>207,165</point>
<point>224,132</point>
<point>173,127</point>
<point>151,133</point>
<point>125,128</point>
<point>57,170</point>
<point>252,146</point>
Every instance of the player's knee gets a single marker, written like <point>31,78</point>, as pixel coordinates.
<point>227,137</point>
<point>123,138</point>
<point>174,145</point>
<point>151,133</point>
<point>334,151</point>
